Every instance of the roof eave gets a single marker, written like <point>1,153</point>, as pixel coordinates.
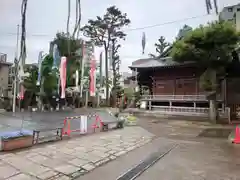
<point>6,63</point>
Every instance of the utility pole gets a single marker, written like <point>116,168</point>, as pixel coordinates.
<point>82,69</point>
<point>209,6</point>
<point>15,73</point>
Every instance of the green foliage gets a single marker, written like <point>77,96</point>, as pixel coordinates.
<point>49,76</point>
<point>73,59</point>
<point>160,46</point>
<point>129,92</point>
<point>30,81</point>
<point>184,31</point>
<point>206,80</point>
<point>62,41</point>
<point>104,29</point>
<point>46,67</point>
<point>209,46</point>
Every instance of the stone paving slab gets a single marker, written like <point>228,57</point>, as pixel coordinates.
<point>68,159</point>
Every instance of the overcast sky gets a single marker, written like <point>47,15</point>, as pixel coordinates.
<point>46,17</point>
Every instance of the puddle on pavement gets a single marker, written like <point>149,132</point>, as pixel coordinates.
<point>215,133</point>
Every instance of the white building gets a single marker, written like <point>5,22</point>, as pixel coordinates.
<point>231,14</point>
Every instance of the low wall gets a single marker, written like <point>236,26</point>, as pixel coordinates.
<point>180,113</point>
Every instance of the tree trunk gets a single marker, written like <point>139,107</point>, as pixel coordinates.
<point>40,103</point>
<point>213,111</point>
<point>114,97</point>
<point>29,100</point>
<point>114,88</point>
<point>86,99</point>
<point>213,105</point>
<point>106,71</point>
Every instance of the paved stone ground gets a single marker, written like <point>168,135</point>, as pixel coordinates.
<point>190,160</point>
<point>39,120</point>
<point>68,159</point>
<point>180,129</point>
<point>195,158</point>
<point>49,120</point>
<point>197,161</point>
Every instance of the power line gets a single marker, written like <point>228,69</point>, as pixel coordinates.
<point>166,23</point>
<point>127,30</point>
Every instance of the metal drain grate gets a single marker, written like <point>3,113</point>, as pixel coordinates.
<point>144,165</point>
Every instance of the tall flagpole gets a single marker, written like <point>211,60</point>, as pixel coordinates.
<point>15,73</point>
<point>56,60</point>
<point>82,69</point>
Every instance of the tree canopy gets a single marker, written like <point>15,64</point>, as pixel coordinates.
<point>210,46</point>
<point>184,31</point>
<point>104,31</point>
<point>160,46</point>
<point>73,63</point>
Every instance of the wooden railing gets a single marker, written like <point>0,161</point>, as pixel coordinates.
<point>174,110</point>
<point>177,97</point>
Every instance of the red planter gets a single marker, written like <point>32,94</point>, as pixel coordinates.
<point>17,143</point>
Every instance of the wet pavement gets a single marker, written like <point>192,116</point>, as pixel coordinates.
<point>202,153</point>
<point>71,158</point>
<point>208,155</point>
<point>220,161</point>
<point>186,130</point>
<point>46,120</point>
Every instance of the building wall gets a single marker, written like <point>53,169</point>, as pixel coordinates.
<point>233,90</point>
<point>238,21</point>
<point>4,74</point>
<point>229,13</point>
<point>183,81</point>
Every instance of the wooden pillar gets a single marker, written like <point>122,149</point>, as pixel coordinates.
<point>150,105</point>
<point>212,111</point>
<point>170,104</point>
<point>136,80</point>
<point>150,85</point>
<point>197,85</point>
<point>223,107</point>
<point>174,86</point>
<point>194,104</point>
<point>154,86</point>
<point>225,93</point>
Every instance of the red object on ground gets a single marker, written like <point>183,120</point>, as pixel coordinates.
<point>237,136</point>
<point>67,125</point>
<point>97,123</point>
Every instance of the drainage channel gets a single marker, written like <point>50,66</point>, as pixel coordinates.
<point>136,171</point>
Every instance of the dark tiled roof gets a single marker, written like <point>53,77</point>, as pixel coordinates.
<point>163,61</point>
<point>158,63</point>
<point>6,63</point>
<point>152,62</point>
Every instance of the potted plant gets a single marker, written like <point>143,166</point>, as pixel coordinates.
<point>16,140</point>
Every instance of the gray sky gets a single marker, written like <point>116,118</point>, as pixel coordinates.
<point>46,17</point>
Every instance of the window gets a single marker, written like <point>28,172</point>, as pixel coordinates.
<point>179,83</point>
<point>160,84</point>
<point>189,82</point>
<point>230,9</point>
<point>238,9</point>
<point>10,80</point>
<point>185,82</point>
